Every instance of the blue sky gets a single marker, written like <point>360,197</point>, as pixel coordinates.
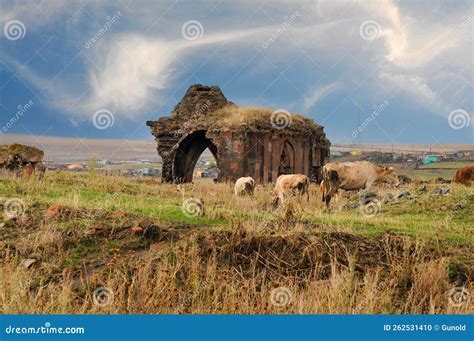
<point>368,71</point>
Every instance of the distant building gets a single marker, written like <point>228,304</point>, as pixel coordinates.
<point>105,162</point>
<point>77,167</point>
<point>430,159</point>
<point>146,172</point>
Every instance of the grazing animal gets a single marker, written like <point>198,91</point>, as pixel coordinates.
<point>290,184</point>
<point>465,175</point>
<point>352,176</point>
<point>244,186</point>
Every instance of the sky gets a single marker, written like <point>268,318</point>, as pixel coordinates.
<point>368,71</point>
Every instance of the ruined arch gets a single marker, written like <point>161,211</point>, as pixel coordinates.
<point>188,151</point>
<point>241,146</point>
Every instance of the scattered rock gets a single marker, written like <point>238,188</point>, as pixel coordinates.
<point>29,263</point>
<point>444,208</point>
<point>441,180</point>
<point>365,201</point>
<point>366,194</point>
<point>403,194</point>
<point>404,179</point>
<point>349,206</point>
<point>173,236</point>
<point>137,230</point>
<point>157,247</point>
<point>440,191</point>
<point>145,223</point>
<point>423,189</point>
<point>55,210</point>
<point>99,230</point>
<point>151,232</point>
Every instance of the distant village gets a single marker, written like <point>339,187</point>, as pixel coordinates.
<point>416,158</point>
<point>206,166</point>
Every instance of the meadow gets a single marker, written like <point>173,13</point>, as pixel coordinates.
<point>88,243</point>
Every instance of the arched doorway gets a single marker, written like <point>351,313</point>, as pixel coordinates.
<point>188,152</point>
<point>287,159</point>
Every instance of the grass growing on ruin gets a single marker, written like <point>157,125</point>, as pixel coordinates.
<point>234,116</point>
<point>405,259</point>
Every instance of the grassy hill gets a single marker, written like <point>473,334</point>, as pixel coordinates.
<point>76,235</point>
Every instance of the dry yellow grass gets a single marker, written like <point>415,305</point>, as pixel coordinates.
<point>241,257</point>
<point>233,115</point>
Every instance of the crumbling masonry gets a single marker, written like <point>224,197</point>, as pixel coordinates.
<point>256,149</point>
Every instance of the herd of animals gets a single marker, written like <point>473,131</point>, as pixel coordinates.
<point>349,176</point>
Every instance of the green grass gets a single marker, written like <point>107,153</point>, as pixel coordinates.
<point>445,170</point>
<point>424,216</point>
<point>241,267</point>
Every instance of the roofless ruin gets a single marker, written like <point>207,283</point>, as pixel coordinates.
<point>245,141</point>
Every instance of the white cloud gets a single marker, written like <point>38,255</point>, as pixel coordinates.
<point>129,73</point>
<point>318,93</point>
<point>131,70</point>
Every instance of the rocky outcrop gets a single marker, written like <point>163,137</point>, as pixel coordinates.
<point>20,159</point>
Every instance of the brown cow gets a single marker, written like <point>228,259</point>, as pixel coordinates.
<point>290,184</point>
<point>244,186</point>
<point>465,175</point>
<point>352,176</point>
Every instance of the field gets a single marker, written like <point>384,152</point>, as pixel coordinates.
<point>70,249</point>
<point>445,170</point>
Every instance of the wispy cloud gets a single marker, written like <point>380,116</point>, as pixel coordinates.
<point>137,61</point>
<point>318,93</point>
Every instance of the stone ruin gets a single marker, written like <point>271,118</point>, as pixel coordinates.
<point>250,145</point>
<point>21,160</point>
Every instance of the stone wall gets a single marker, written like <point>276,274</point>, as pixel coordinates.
<point>260,152</point>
